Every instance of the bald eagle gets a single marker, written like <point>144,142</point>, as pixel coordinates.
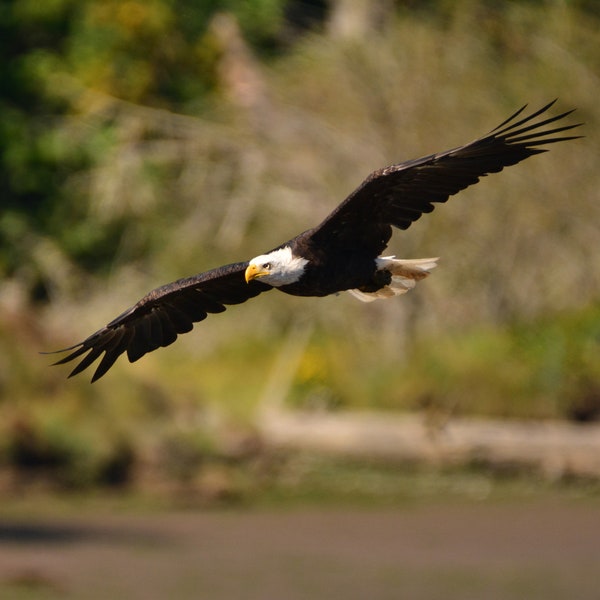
<point>342,253</point>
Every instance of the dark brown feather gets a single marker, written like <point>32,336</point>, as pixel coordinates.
<point>399,194</point>
<point>161,315</point>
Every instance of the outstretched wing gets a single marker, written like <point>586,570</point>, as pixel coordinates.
<point>399,194</point>
<point>161,314</point>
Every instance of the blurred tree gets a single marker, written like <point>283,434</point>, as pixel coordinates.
<point>153,53</point>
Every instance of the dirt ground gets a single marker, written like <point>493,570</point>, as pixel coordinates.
<point>540,550</point>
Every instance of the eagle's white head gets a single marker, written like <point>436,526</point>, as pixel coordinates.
<point>277,268</point>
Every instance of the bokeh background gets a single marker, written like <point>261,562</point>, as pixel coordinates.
<point>141,142</point>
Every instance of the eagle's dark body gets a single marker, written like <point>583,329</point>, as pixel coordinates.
<point>331,269</point>
<point>339,254</point>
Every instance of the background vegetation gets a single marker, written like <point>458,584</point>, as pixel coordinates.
<point>145,141</point>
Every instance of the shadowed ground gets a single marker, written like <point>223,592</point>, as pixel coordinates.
<point>544,549</point>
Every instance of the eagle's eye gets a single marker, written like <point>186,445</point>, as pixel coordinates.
<point>267,266</point>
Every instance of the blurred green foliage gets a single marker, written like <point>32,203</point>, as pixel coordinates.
<point>156,53</point>
<point>145,141</point>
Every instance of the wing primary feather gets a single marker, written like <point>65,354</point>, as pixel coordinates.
<point>81,349</point>
<point>498,130</point>
<point>513,116</point>
<point>108,360</point>
<point>87,360</point>
<point>510,137</point>
<point>538,140</point>
<point>515,126</point>
<point>112,353</point>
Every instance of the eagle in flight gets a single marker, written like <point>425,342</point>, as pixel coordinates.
<point>342,253</point>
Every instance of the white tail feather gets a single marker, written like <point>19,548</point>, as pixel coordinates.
<point>405,274</point>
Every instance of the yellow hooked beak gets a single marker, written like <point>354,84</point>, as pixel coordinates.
<point>255,271</point>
